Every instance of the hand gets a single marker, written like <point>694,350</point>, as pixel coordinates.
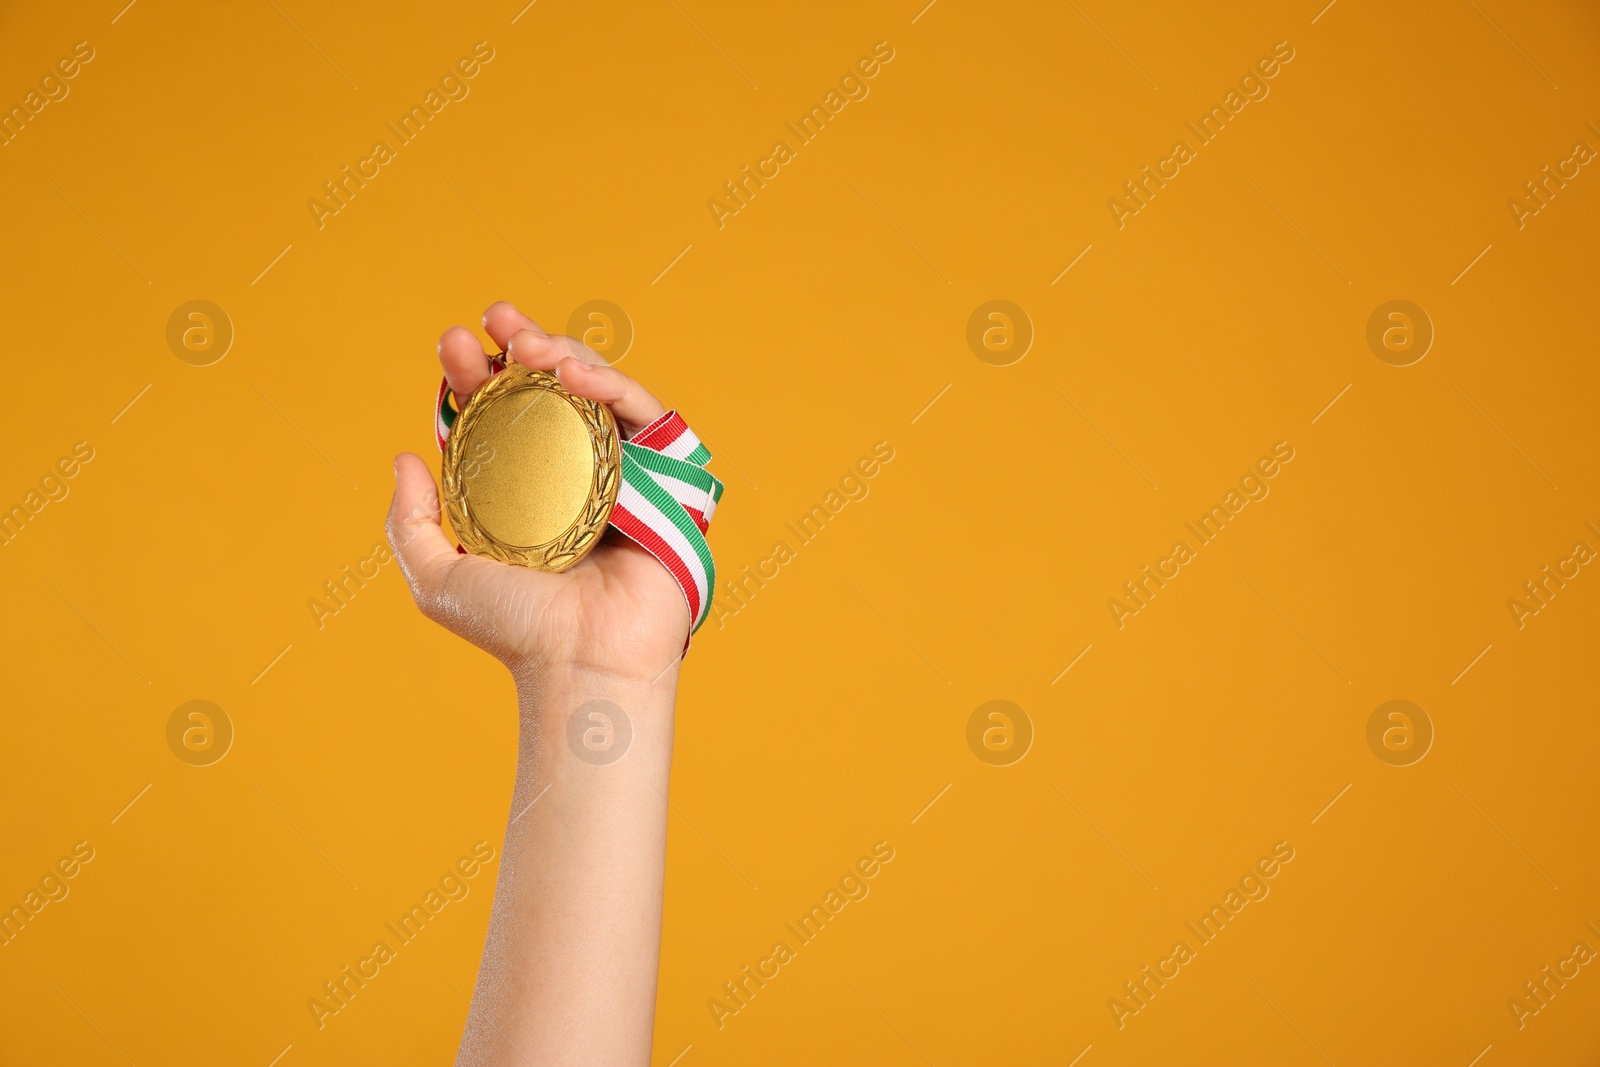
<point>616,613</point>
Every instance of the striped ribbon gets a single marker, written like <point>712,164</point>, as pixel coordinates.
<point>665,501</point>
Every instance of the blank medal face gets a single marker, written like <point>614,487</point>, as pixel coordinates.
<point>529,465</point>
<point>531,472</point>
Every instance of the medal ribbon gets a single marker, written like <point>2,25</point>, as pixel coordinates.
<point>665,501</point>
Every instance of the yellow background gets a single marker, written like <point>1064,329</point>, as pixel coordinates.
<point>821,319</point>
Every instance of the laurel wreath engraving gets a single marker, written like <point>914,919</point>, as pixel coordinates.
<point>586,530</point>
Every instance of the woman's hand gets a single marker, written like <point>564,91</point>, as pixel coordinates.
<point>617,612</point>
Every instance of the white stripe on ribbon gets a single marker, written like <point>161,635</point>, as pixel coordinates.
<point>640,508</point>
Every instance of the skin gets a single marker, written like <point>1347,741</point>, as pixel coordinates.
<point>569,968</point>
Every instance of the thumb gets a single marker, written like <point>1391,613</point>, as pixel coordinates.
<point>425,554</point>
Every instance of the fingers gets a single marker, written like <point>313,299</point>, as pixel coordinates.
<point>425,554</point>
<point>502,320</point>
<point>584,372</point>
<point>628,400</point>
<point>466,366</point>
<point>538,350</point>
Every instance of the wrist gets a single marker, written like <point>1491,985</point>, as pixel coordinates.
<point>578,711</point>
<point>547,679</point>
<point>625,658</point>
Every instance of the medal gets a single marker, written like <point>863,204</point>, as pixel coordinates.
<point>534,475</point>
<point>531,472</point>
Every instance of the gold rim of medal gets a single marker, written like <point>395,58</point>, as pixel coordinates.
<point>531,472</point>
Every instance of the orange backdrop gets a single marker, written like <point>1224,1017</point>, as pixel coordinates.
<point>1222,379</point>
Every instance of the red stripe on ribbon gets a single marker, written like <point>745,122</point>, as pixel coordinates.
<point>662,432</point>
<point>647,539</point>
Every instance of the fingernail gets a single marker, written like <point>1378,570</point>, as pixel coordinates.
<point>397,469</point>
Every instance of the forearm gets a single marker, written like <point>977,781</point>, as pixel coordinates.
<point>569,969</point>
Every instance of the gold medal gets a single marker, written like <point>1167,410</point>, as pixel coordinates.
<point>531,472</point>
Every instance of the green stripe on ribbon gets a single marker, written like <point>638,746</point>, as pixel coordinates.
<point>684,471</point>
<point>640,479</point>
